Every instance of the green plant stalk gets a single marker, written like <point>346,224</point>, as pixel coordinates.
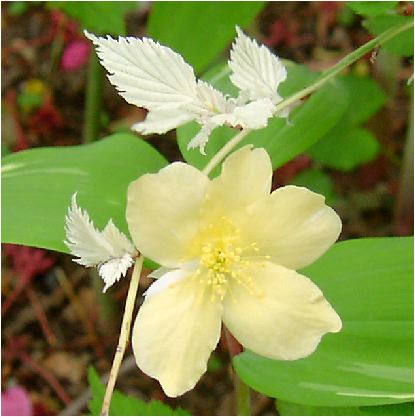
<point>403,216</point>
<point>124,335</point>
<point>243,397</point>
<point>326,76</point>
<point>93,99</point>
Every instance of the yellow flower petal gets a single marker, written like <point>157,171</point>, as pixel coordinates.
<point>282,316</point>
<point>246,176</point>
<point>293,226</point>
<point>175,331</point>
<point>163,212</point>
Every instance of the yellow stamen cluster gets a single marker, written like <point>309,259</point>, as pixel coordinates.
<point>223,259</point>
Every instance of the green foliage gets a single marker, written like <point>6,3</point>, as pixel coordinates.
<point>318,181</point>
<point>347,145</point>
<point>381,16</point>
<point>282,139</point>
<point>286,408</point>
<point>16,8</point>
<point>99,17</point>
<point>372,8</point>
<point>124,405</point>
<point>403,44</point>
<point>370,362</point>
<point>345,148</point>
<point>37,186</point>
<point>201,29</point>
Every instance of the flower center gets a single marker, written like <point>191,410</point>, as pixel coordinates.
<point>224,260</point>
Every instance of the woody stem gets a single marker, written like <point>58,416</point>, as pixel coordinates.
<point>124,335</point>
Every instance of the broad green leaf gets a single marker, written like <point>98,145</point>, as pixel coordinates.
<point>365,98</point>
<point>344,148</point>
<point>37,186</point>
<point>199,30</point>
<point>286,408</point>
<point>99,17</point>
<point>318,181</point>
<point>372,8</point>
<point>403,44</point>
<point>370,362</point>
<point>125,405</point>
<point>283,140</point>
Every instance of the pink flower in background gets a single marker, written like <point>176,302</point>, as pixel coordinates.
<point>15,401</point>
<point>75,55</point>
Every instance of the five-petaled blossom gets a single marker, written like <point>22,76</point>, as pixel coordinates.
<point>156,78</point>
<point>229,252</point>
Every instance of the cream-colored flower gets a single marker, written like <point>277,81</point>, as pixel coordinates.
<point>229,251</point>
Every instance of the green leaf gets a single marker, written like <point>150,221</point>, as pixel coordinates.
<point>369,282</point>
<point>286,408</point>
<point>99,17</point>
<point>37,186</point>
<point>123,405</point>
<point>283,140</point>
<point>365,98</point>
<point>201,30</point>
<point>317,181</point>
<point>372,8</point>
<point>345,148</point>
<point>403,44</point>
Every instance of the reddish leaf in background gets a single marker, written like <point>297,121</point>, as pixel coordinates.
<point>280,34</point>
<point>75,55</point>
<point>27,263</point>
<point>15,401</point>
<point>46,119</point>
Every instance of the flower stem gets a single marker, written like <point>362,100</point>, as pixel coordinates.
<point>124,335</point>
<point>243,397</point>
<point>242,391</point>
<point>217,159</point>
<point>325,76</point>
<point>93,99</point>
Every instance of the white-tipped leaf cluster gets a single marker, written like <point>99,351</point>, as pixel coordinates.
<point>156,78</point>
<point>110,250</point>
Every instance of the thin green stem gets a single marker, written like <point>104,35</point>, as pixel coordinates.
<point>93,99</point>
<point>326,76</point>
<point>124,335</point>
<point>217,159</point>
<point>243,397</point>
<point>343,63</point>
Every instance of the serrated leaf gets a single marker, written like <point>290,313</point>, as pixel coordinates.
<point>201,30</point>
<point>37,186</point>
<point>402,44</point>
<point>370,362</point>
<point>372,8</point>
<point>255,69</point>
<point>123,405</point>
<point>102,17</point>
<point>148,75</point>
<point>308,123</point>
<point>345,148</point>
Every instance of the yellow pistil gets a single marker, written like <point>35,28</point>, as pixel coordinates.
<point>223,260</point>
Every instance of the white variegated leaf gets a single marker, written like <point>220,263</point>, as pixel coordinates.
<point>161,121</point>
<point>255,69</point>
<point>110,250</point>
<point>147,74</point>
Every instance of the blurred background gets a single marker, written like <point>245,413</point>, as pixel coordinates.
<point>55,321</point>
